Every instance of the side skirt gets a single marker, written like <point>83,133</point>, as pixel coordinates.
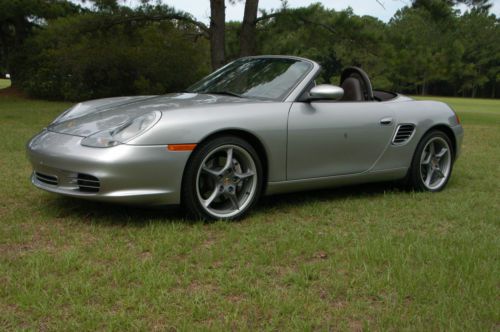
<point>335,181</point>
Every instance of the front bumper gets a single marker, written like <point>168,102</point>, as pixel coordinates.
<point>132,174</point>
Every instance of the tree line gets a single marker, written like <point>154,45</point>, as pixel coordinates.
<point>56,49</point>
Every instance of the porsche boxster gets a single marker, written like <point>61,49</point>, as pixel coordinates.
<point>257,126</point>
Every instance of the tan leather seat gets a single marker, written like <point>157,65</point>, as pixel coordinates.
<point>352,90</point>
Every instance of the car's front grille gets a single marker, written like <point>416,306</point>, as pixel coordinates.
<point>45,178</point>
<point>88,183</point>
<point>403,134</point>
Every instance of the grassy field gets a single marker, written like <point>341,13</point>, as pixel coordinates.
<point>4,83</point>
<point>366,257</point>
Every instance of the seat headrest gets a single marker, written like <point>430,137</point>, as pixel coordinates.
<point>352,90</point>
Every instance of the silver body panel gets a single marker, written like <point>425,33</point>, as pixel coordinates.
<point>328,138</point>
<point>148,174</point>
<point>307,145</point>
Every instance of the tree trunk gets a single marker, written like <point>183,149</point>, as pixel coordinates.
<point>247,36</point>
<point>217,33</point>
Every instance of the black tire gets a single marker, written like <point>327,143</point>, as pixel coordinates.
<point>190,197</point>
<point>415,175</point>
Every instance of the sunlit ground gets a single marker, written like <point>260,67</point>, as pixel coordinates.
<point>4,83</point>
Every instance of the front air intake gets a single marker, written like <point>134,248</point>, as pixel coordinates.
<point>88,183</point>
<point>47,179</point>
<point>403,134</point>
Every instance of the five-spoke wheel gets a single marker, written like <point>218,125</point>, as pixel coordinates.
<point>433,162</point>
<point>223,179</point>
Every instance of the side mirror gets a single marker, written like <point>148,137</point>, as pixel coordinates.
<point>326,91</point>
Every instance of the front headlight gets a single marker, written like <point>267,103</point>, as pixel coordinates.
<point>124,133</point>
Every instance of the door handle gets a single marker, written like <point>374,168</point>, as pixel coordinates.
<point>386,121</point>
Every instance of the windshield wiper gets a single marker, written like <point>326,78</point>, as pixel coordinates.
<point>225,93</point>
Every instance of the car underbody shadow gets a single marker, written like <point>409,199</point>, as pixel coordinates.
<point>329,194</point>
<point>124,215</point>
<point>113,214</point>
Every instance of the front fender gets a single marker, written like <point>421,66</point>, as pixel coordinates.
<point>266,120</point>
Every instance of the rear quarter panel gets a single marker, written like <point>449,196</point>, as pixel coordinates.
<point>425,115</point>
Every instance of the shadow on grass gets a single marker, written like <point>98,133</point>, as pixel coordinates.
<point>110,214</point>
<point>359,191</point>
<point>122,215</point>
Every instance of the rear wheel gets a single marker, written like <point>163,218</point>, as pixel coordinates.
<point>433,162</point>
<point>223,179</point>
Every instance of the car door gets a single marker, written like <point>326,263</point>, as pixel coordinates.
<point>329,138</point>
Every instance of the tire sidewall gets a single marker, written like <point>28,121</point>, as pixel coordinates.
<point>415,174</point>
<point>189,197</point>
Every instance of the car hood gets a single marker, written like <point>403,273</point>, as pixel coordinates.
<point>87,118</point>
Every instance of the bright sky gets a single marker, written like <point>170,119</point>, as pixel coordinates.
<point>201,8</point>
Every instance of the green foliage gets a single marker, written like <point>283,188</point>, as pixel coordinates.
<point>480,35</point>
<point>72,61</point>
<point>19,18</point>
<point>65,52</point>
<point>443,7</point>
<point>232,40</point>
<point>453,55</point>
<point>427,48</point>
<point>421,58</point>
<point>335,39</point>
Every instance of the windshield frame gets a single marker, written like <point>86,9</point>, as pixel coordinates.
<point>298,84</point>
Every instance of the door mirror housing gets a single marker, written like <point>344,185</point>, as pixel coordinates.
<point>326,91</point>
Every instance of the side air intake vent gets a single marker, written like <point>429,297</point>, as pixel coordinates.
<point>48,179</point>
<point>403,134</point>
<point>88,183</point>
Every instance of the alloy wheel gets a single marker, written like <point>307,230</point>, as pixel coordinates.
<point>435,163</point>
<point>226,181</point>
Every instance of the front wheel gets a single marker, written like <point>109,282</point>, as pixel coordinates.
<point>433,162</point>
<point>223,179</point>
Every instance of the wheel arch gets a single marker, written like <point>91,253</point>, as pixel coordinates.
<point>449,132</point>
<point>446,130</point>
<point>443,128</point>
<point>251,138</point>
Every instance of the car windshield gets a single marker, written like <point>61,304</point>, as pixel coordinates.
<point>260,78</point>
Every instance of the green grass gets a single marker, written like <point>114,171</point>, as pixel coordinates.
<point>4,83</point>
<point>369,256</point>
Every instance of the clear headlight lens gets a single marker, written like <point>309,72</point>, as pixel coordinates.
<point>124,133</point>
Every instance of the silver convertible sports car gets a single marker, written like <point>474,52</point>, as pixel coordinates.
<point>259,125</point>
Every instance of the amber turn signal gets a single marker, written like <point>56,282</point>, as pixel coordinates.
<point>181,147</point>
